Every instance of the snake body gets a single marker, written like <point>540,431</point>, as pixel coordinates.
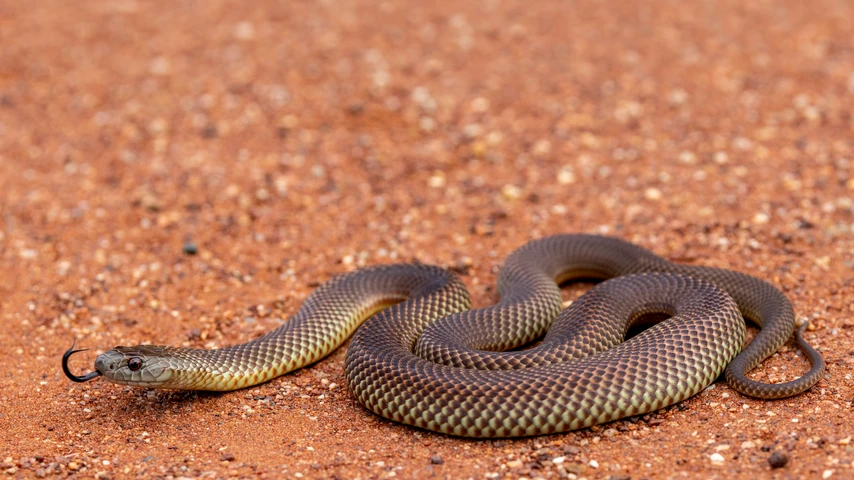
<point>425,359</point>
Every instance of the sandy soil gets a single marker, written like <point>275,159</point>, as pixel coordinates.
<point>291,141</point>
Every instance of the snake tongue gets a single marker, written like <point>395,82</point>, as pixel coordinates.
<point>74,378</point>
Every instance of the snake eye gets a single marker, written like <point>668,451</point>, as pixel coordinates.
<point>134,364</point>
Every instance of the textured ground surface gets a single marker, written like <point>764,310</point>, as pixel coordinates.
<point>291,141</point>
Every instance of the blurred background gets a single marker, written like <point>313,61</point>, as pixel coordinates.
<point>168,170</point>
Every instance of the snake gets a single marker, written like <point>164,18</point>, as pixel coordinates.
<point>423,357</point>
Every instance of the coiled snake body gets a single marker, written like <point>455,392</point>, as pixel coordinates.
<point>428,360</point>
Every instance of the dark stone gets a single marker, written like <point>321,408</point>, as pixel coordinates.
<point>190,248</point>
<point>778,459</point>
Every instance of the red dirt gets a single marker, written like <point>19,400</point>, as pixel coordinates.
<point>291,141</point>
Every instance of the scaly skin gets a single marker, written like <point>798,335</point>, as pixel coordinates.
<point>458,383</point>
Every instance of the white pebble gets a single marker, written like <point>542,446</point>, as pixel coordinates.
<point>721,158</point>
<point>437,180</point>
<point>827,474</point>
<point>594,464</point>
<point>716,458</point>
<point>566,175</point>
<point>652,194</point>
<point>761,218</point>
<point>558,460</point>
<point>511,192</point>
<point>687,158</point>
<point>28,254</point>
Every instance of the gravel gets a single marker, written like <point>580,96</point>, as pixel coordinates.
<point>291,136</point>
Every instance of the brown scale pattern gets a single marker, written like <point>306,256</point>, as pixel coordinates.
<point>580,375</point>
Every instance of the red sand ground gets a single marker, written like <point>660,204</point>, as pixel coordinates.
<point>295,140</point>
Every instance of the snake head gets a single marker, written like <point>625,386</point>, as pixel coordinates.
<point>139,366</point>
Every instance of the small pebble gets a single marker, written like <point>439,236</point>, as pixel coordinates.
<point>436,460</point>
<point>716,458</point>
<point>571,450</point>
<point>687,158</point>
<point>566,175</point>
<point>437,180</point>
<point>511,192</point>
<point>761,218</point>
<point>190,248</point>
<point>652,194</point>
<point>778,459</point>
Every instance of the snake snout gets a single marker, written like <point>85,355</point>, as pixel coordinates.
<point>105,365</point>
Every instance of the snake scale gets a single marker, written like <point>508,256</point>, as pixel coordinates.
<point>424,358</point>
